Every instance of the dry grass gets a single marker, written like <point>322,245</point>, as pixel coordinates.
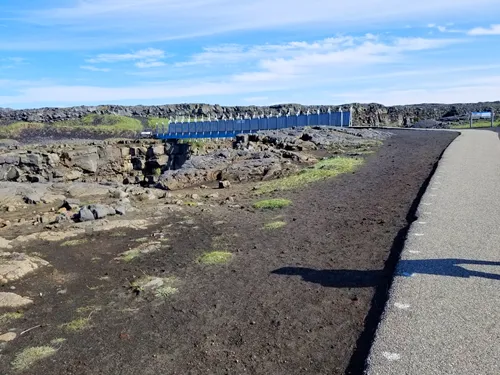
<point>275,225</point>
<point>7,317</point>
<point>80,241</point>
<point>29,356</point>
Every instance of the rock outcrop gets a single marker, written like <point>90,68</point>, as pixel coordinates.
<point>121,161</point>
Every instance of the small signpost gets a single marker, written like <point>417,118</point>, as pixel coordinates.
<point>482,116</point>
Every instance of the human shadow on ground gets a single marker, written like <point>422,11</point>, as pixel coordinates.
<point>407,268</point>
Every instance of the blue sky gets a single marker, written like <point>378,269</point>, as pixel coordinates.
<point>248,52</point>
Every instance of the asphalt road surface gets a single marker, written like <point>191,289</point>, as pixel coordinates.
<point>443,314</point>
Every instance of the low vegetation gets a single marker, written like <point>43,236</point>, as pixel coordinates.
<point>275,225</point>
<point>130,255</point>
<point>94,124</point>
<point>272,204</point>
<point>477,124</point>
<point>157,121</point>
<point>215,257</point>
<point>74,242</point>
<point>327,168</point>
<point>29,356</point>
<point>168,288</point>
<point>77,325</point>
<point>58,341</point>
<point>7,317</point>
<point>16,129</point>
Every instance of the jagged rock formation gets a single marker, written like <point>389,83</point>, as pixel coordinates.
<point>364,114</point>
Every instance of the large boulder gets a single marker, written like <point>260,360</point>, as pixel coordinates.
<point>85,214</point>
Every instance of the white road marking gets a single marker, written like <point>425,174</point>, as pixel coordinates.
<point>427,204</point>
<point>414,252</point>
<point>434,188</point>
<point>391,356</point>
<point>422,222</point>
<point>419,234</point>
<point>402,306</point>
<point>432,195</point>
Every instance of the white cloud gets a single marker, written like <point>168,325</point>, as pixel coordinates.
<point>445,28</point>
<point>145,58</point>
<point>145,54</point>
<point>297,57</point>
<point>94,68</point>
<point>143,21</point>
<point>492,30</point>
<point>256,99</point>
<point>149,64</point>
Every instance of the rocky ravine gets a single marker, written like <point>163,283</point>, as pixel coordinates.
<point>364,114</point>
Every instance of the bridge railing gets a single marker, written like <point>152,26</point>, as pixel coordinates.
<point>219,128</point>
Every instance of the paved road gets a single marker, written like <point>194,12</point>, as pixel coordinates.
<point>443,315</point>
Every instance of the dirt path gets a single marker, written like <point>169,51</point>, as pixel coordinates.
<point>291,300</point>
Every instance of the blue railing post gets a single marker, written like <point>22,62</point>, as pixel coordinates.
<point>341,117</point>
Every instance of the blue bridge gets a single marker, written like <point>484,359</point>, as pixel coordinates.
<point>232,127</point>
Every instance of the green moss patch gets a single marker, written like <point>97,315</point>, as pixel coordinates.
<point>215,257</point>
<point>77,325</point>
<point>272,204</point>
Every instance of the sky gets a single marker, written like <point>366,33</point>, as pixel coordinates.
<point>61,53</point>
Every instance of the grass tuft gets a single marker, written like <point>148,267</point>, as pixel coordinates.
<point>130,255</point>
<point>272,204</point>
<point>75,242</point>
<point>324,169</point>
<point>215,257</point>
<point>275,225</point>
<point>7,317</point>
<point>29,356</point>
<point>168,288</point>
<point>77,325</point>
<point>57,341</point>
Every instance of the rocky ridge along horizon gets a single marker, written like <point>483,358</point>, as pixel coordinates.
<point>363,114</point>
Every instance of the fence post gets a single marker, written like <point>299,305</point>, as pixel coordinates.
<point>329,117</point>
<point>341,118</point>
<point>350,116</point>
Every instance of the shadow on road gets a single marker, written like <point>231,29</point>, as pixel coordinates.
<point>371,278</point>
